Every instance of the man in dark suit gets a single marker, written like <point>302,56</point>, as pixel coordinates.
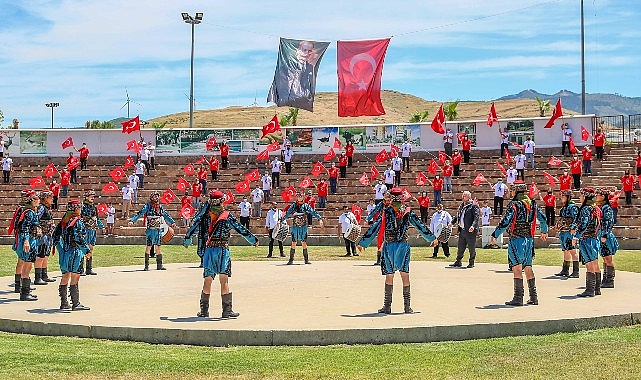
<point>466,220</point>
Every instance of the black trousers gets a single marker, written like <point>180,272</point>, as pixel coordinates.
<point>498,205</point>
<point>550,215</point>
<point>406,162</point>
<point>563,145</point>
<point>448,148</point>
<point>244,221</point>
<point>83,163</point>
<point>288,167</point>
<point>271,244</point>
<point>343,171</point>
<point>350,245</point>
<point>5,175</point>
<point>424,214</point>
<point>214,175</point>
<point>599,152</point>
<point>276,179</point>
<point>504,147</point>
<point>224,161</point>
<point>466,240</point>
<point>349,161</point>
<point>457,170</point>
<point>397,177</point>
<point>520,173</point>
<point>577,181</point>
<point>466,156</point>
<point>446,248</point>
<point>628,197</point>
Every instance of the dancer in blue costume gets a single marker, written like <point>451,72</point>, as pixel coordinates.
<point>609,243</point>
<point>391,225</point>
<point>567,214</point>
<point>45,243</point>
<point>299,210</point>
<point>89,214</point>
<point>27,231</point>
<point>586,228</point>
<point>519,220</point>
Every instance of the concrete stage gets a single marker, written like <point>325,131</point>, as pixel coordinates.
<point>328,302</point>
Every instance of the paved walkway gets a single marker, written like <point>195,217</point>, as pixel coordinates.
<point>323,303</point>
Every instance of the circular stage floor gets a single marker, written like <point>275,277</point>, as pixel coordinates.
<point>328,302</point>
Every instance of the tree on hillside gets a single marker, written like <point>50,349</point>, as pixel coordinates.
<point>1,117</point>
<point>450,111</point>
<point>418,117</point>
<point>96,124</point>
<point>291,118</point>
<point>544,106</point>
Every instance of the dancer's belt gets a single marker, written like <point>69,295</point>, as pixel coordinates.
<point>391,236</point>
<point>220,243</point>
<point>91,222</point>
<point>35,231</point>
<point>522,229</point>
<point>153,222</point>
<point>565,224</point>
<point>300,220</point>
<point>590,232</point>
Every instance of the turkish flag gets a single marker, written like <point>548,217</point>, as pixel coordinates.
<point>318,169</point>
<point>211,143</point>
<point>374,173</point>
<point>550,178</point>
<point>533,191</point>
<point>182,185</point>
<point>393,150</point>
<point>508,158</point>
<point>381,156</point>
<point>229,198</point>
<point>554,161</point>
<point>585,135</point>
<point>200,160</point>
<point>358,212</point>
<point>421,179</point>
<point>110,188</point>
<point>50,170</point>
<point>243,187</point>
<point>556,113</point>
<point>305,183</point>
<point>479,179</point>
<point>517,145</point>
<point>406,194</point>
<point>572,146</point>
<point>433,168</point>
<point>167,196</point>
<point>364,180</point>
<point>273,146</point>
<point>253,175</point>
<point>128,162</point>
<point>133,145</point>
<point>492,118</point>
<point>288,194</point>
<point>459,136</point>
<point>330,154</point>
<point>360,68</point>
<point>437,122</point>
<point>189,169</point>
<point>131,125</point>
<point>36,182</point>
<point>68,143</point>
<point>337,143</point>
<point>271,127</point>
<point>263,155</point>
<point>102,209</point>
<point>74,163</point>
<point>442,157</point>
<point>187,211</point>
<point>501,168</point>
<point>117,173</point>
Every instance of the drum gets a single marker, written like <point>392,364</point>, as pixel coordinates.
<point>281,232</point>
<point>444,234</point>
<point>353,233</point>
<point>166,233</point>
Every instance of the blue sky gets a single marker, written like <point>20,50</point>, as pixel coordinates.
<point>86,54</point>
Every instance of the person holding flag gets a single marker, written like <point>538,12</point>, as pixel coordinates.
<point>72,164</point>
<point>83,153</point>
<point>456,162</point>
<point>566,137</point>
<point>505,140</point>
<point>586,152</point>
<point>214,165</point>
<point>299,209</point>
<point>224,153</point>
<point>448,138</point>
<point>466,146</point>
<point>349,152</point>
<point>598,140</point>
<point>567,215</point>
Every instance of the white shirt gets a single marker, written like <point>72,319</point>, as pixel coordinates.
<point>440,217</point>
<point>448,137</point>
<point>505,137</point>
<point>275,166</point>
<point>397,163</point>
<point>288,154</point>
<point>346,220</point>
<point>152,150</point>
<point>406,148</point>
<point>273,216</point>
<point>111,212</point>
<point>529,146</point>
<point>567,134</point>
<point>520,161</point>
<point>140,168</point>
<point>499,189</point>
<point>1,145</point>
<point>144,154</point>
<point>486,212</point>
<point>134,181</point>
<point>370,208</point>
<point>257,195</point>
<point>389,176</point>
<point>245,208</point>
<point>127,192</point>
<point>267,182</point>
<point>6,163</point>
<point>380,190</point>
<point>511,175</point>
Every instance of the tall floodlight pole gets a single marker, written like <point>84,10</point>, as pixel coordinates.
<point>582,62</point>
<point>52,106</point>
<point>193,21</point>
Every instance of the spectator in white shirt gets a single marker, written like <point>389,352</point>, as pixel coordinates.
<point>111,218</point>
<point>127,194</point>
<point>440,219</point>
<point>7,165</point>
<point>370,208</point>
<point>245,212</point>
<point>140,172</point>
<point>519,161</point>
<point>499,194</point>
<point>379,190</point>
<point>267,186</point>
<point>529,146</point>
<point>271,222</point>
<point>505,138</point>
<point>389,176</point>
<point>276,168</point>
<point>134,181</point>
<point>288,153</point>
<point>511,175</point>
<point>486,213</point>
<point>397,163</point>
<point>144,157</point>
<point>345,221</point>
<point>152,155</point>
<point>448,137</point>
<point>565,139</point>
<point>257,199</point>
<point>406,149</point>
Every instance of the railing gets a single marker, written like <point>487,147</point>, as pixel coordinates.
<point>614,128</point>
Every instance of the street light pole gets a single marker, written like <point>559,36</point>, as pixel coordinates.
<point>52,106</point>
<point>582,62</point>
<point>193,21</point>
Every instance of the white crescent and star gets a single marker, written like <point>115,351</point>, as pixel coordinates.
<point>361,57</point>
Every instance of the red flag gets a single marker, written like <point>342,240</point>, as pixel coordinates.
<point>358,212</point>
<point>131,125</point>
<point>189,169</point>
<point>50,170</point>
<point>442,157</point>
<point>459,136</point>
<point>110,188</point>
<point>263,155</point>
<point>318,169</point>
<point>437,122</point>
<point>508,158</point>
<point>554,161</point>
<point>393,150</point>
<point>374,173</point>
<point>243,186</point>
<point>229,198</point>
<point>421,179</point>
<point>501,168</point>
<point>492,118</point>
<point>337,143</point>
<point>102,209</point>
<point>200,160</point>
<point>133,145</point>
<point>433,168</point>
<point>271,127</point>
<point>533,190</point>
<point>187,211</point>
<point>585,135</point>
<point>550,178</point>
<point>117,173</point>
<point>556,113</point>
<point>479,179</point>
<point>330,154</point>
<point>288,194</point>
<point>273,146</point>
<point>167,196</point>
<point>253,175</point>
<point>305,183</point>
<point>360,67</point>
<point>67,143</point>
<point>406,194</point>
<point>128,162</point>
<point>364,180</point>
<point>211,143</point>
<point>381,156</point>
<point>36,182</point>
<point>517,145</point>
<point>74,163</point>
<point>572,146</point>
<point>182,185</point>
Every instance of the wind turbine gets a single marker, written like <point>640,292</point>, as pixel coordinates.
<point>128,102</point>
